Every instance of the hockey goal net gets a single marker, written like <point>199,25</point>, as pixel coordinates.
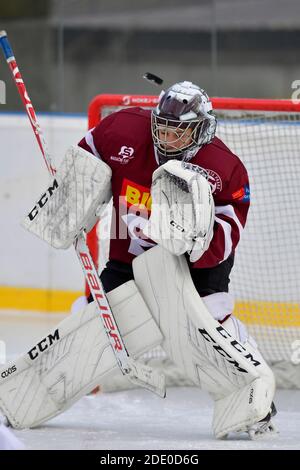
<point>265,280</point>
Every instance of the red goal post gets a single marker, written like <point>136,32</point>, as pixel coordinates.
<point>265,134</point>
<point>102,101</point>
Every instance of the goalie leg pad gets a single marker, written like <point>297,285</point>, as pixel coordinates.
<point>231,414</point>
<point>203,349</point>
<point>73,358</point>
<point>235,412</point>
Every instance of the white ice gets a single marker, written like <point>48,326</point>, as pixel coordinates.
<point>137,419</point>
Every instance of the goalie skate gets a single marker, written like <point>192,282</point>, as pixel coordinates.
<point>265,427</point>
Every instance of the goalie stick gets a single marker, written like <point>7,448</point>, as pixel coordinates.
<point>136,372</point>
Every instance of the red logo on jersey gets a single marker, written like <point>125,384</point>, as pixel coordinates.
<point>242,194</point>
<point>136,194</point>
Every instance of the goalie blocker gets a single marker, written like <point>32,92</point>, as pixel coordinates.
<point>73,200</point>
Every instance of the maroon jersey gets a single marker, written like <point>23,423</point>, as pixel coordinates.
<point>123,140</point>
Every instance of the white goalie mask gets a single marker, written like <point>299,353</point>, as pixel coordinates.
<point>182,122</point>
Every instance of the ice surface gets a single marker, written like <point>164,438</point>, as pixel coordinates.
<point>137,419</point>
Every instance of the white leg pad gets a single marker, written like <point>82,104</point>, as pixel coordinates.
<point>73,358</point>
<point>212,357</point>
<point>238,411</point>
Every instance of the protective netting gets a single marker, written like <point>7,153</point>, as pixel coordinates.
<point>266,276</point>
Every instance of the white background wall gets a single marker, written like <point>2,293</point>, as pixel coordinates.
<point>25,260</point>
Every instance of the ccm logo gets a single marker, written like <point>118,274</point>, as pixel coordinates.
<point>224,353</point>
<point>175,225</point>
<point>43,345</point>
<point>9,371</point>
<point>34,212</point>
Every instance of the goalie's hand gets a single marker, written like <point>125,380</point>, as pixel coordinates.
<point>182,213</point>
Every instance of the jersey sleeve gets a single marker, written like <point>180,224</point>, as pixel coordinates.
<point>231,209</point>
<point>94,140</point>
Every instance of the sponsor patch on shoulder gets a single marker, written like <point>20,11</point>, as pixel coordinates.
<point>242,194</point>
<point>125,155</point>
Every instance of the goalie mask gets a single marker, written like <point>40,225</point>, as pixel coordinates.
<point>182,122</point>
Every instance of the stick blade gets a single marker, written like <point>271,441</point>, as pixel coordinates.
<point>147,377</point>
